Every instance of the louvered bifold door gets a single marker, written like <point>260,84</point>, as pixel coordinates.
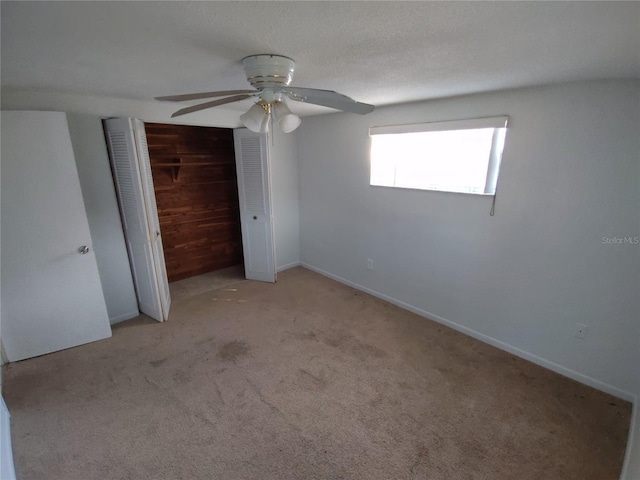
<point>252,163</point>
<point>144,163</point>
<point>126,172</point>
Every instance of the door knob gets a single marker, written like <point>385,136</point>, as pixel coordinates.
<point>83,249</point>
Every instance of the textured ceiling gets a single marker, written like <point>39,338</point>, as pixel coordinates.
<point>375,52</point>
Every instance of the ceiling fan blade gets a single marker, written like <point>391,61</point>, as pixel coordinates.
<point>197,96</point>
<point>214,103</point>
<point>327,98</point>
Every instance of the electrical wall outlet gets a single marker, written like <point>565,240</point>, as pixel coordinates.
<point>580,330</point>
<point>369,264</point>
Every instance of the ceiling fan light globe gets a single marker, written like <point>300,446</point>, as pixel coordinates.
<point>287,121</point>
<point>256,119</point>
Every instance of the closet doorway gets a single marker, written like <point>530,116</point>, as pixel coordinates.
<point>196,189</point>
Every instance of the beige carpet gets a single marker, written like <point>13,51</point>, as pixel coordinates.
<point>305,379</point>
<point>190,287</point>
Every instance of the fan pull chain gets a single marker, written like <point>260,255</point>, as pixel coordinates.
<point>271,115</point>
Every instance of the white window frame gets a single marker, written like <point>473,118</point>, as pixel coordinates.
<point>498,123</point>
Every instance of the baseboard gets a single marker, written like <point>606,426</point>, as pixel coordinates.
<point>567,372</point>
<point>631,440</point>
<point>123,317</point>
<point>287,266</point>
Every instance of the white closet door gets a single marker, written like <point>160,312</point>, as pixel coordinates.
<point>52,297</point>
<point>254,189</point>
<point>152,216</point>
<point>137,214</point>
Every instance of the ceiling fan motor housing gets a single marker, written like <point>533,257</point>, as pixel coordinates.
<point>270,75</point>
<point>268,71</point>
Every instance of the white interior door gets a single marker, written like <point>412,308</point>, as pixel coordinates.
<point>254,189</point>
<point>52,298</point>
<point>129,156</point>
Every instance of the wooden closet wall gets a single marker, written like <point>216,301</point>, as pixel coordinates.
<point>194,177</point>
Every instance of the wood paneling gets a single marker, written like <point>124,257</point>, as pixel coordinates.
<point>194,175</point>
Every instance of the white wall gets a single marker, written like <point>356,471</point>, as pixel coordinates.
<point>523,278</point>
<point>98,192</point>
<point>285,194</point>
<point>149,111</point>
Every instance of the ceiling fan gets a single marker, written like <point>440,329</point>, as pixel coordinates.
<point>270,75</point>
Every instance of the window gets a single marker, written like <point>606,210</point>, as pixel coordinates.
<point>457,156</point>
